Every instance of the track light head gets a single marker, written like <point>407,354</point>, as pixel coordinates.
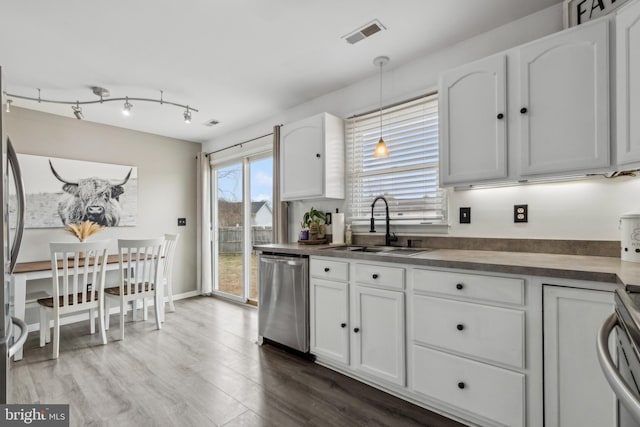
<point>187,115</point>
<point>9,101</point>
<point>126,110</point>
<point>77,111</point>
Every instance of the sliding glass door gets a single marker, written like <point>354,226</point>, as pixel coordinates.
<point>230,229</point>
<point>261,184</point>
<point>242,216</point>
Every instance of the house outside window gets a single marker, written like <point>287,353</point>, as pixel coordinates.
<point>407,178</point>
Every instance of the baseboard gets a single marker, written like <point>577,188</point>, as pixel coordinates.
<point>184,295</point>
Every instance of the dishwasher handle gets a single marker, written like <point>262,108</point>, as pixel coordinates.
<point>619,386</point>
<point>283,259</point>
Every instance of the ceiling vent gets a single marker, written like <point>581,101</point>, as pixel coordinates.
<point>211,122</point>
<point>363,32</point>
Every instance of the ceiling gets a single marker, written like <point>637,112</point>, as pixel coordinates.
<point>238,62</point>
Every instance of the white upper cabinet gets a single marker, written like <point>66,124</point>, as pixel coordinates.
<point>473,125</point>
<point>628,84</point>
<point>564,101</point>
<point>312,158</point>
<point>540,109</point>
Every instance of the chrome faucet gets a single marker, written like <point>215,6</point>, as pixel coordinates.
<point>387,237</point>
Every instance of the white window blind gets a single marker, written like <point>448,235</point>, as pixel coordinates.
<point>408,177</point>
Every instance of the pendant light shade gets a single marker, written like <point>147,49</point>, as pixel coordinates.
<point>381,147</point>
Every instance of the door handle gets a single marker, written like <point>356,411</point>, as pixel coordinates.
<point>21,339</point>
<point>619,386</point>
<point>17,179</point>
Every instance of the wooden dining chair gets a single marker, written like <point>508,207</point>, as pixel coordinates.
<point>169,250</point>
<point>77,285</point>
<point>140,277</point>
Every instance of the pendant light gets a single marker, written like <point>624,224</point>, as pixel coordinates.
<point>381,148</point>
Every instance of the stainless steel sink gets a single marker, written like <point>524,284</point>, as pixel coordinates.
<point>381,250</point>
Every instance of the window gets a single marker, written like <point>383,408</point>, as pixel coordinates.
<point>408,177</point>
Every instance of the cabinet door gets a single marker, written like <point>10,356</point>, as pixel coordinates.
<point>565,101</point>
<point>377,331</point>
<point>302,159</point>
<point>473,122</point>
<point>576,393</point>
<point>329,317</point>
<point>628,84</point>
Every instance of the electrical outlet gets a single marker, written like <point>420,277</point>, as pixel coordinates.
<point>465,215</point>
<point>182,222</point>
<point>520,213</point>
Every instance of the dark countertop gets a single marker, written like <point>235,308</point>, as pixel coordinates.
<point>576,267</point>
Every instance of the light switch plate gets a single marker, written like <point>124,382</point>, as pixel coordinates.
<point>465,215</point>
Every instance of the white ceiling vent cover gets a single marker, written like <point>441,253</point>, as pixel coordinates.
<point>363,32</point>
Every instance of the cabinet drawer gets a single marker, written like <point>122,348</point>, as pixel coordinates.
<point>490,392</point>
<point>490,333</point>
<point>388,277</point>
<point>488,288</point>
<point>329,270</point>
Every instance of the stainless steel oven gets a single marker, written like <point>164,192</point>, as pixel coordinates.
<point>623,376</point>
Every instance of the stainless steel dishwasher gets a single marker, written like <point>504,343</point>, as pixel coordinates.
<point>283,300</point>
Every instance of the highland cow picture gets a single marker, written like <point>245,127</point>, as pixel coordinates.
<point>63,191</point>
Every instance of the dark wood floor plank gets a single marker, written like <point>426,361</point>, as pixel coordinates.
<point>203,368</point>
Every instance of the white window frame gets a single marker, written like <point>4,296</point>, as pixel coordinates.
<point>423,216</point>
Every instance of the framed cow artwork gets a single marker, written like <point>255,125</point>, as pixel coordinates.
<point>63,191</point>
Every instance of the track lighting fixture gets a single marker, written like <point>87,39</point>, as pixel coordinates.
<point>381,148</point>
<point>77,111</point>
<point>9,101</point>
<point>126,110</point>
<point>103,94</point>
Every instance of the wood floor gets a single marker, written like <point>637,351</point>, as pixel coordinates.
<point>202,369</point>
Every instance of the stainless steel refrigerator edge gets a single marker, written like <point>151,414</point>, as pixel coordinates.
<point>283,307</point>
<point>623,376</point>
<point>8,323</point>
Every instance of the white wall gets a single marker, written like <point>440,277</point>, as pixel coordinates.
<point>166,181</point>
<point>573,210</point>
<point>402,82</point>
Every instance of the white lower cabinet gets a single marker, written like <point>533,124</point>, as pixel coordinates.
<point>576,392</point>
<point>359,326</point>
<point>475,346</point>
<point>468,344</point>
<point>488,333</point>
<point>378,333</point>
<point>329,312</point>
<point>490,392</point>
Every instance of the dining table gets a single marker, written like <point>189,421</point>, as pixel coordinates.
<point>26,272</point>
